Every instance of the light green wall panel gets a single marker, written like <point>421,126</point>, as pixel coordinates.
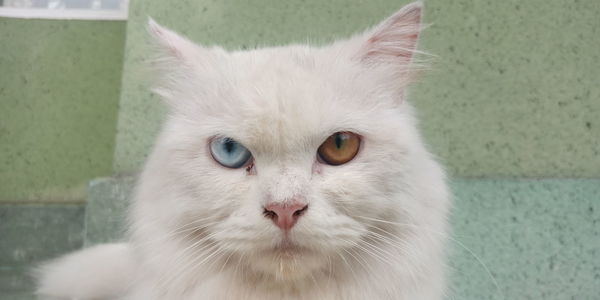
<point>512,90</point>
<point>59,91</point>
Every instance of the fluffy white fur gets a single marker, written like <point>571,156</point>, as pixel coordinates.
<point>375,226</point>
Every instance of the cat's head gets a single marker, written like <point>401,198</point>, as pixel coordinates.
<point>285,157</point>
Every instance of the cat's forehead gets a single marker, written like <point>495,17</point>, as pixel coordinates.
<point>285,72</point>
<point>283,97</point>
<point>286,98</point>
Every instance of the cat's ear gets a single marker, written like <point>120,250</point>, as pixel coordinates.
<point>172,45</point>
<point>394,40</point>
<point>181,67</point>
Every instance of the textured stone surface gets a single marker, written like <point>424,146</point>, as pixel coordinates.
<point>537,239</point>
<point>106,209</point>
<point>16,284</point>
<point>32,233</point>
<point>512,91</point>
<point>59,91</point>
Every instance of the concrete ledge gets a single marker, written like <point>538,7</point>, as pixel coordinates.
<point>539,239</point>
<point>33,233</point>
<point>512,238</point>
<point>108,199</point>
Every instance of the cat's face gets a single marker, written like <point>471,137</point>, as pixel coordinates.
<point>281,105</point>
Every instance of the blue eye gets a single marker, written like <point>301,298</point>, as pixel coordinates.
<point>229,153</point>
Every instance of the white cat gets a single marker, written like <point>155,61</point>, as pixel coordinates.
<point>281,173</point>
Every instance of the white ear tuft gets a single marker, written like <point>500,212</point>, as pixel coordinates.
<point>173,45</point>
<point>395,39</point>
<point>183,69</point>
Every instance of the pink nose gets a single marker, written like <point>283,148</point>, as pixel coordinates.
<point>285,215</point>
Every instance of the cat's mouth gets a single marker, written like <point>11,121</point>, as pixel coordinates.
<point>288,249</point>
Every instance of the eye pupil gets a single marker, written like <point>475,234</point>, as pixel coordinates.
<point>338,141</point>
<point>229,145</point>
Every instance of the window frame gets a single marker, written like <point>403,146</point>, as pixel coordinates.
<point>65,13</point>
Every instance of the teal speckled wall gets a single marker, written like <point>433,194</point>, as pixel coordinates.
<point>513,89</point>
<point>59,91</point>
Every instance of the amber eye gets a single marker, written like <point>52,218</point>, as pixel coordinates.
<point>339,148</point>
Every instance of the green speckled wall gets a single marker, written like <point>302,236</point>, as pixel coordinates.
<point>59,91</point>
<point>512,92</point>
<point>515,89</point>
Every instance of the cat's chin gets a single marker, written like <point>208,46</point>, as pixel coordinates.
<point>288,250</point>
<point>287,261</point>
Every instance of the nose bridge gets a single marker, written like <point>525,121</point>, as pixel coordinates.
<point>285,184</point>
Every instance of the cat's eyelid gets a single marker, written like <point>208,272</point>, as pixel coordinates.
<point>224,136</point>
<point>329,133</point>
